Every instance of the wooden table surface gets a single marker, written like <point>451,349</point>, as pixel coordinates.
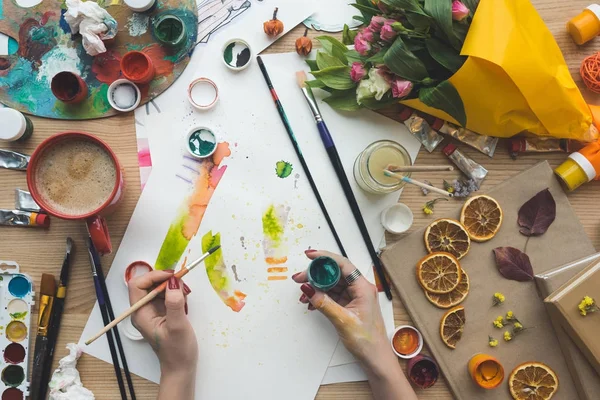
<point>41,251</point>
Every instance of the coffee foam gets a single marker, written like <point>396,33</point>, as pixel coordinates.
<point>75,177</point>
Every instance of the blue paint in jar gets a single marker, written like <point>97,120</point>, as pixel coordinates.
<point>19,286</point>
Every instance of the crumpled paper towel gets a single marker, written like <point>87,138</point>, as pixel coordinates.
<point>65,383</point>
<point>93,22</point>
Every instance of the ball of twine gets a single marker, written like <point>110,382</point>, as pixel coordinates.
<point>590,72</point>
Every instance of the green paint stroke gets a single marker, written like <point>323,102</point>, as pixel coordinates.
<point>19,315</point>
<point>94,106</point>
<point>272,227</point>
<point>283,169</point>
<point>228,53</point>
<point>214,262</point>
<point>173,246</point>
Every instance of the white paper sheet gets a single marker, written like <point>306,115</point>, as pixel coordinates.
<point>266,343</point>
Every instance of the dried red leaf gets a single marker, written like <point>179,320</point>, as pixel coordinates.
<point>536,216</point>
<point>513,264</point>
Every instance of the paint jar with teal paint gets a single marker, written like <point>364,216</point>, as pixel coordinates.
<point>324,273</point>
<point>201,142</point>
<point>16,127</point>
<point>237,54</point>
<point>169,30</point>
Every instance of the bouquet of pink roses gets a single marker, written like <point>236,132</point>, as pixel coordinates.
<point>407,49</point>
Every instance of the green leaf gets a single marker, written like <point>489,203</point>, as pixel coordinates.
<point>361,19</point>
<point>386,101</point>
<point>444,55</point>
<point>367,12</point>
<point>441,12</point>
<point>460,31</point>
<point>471,5</point>
<point>334,47</point>
<point>404,63</point>
<point>445,97</point>
<point>354,56</point>
<point>345,100</point>
<point>378,58</point>
<point>324,60</point>
<point>420,22</point>
<point>315,84</point>
<point>407,5</point>
<point>313,65</point>
<point>335,77</point>
<point>348,35</point>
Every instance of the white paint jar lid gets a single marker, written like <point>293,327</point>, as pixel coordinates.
<point>13,124</point>
<point>140,5</point>
<point>397,218</point>
<point>123,84</point>
<point>130,331</point>
<point>243,43</point>
<point>203,94</point>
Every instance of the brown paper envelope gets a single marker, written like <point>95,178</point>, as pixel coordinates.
<point>584,376</point>
<point>564,241</point>
<point>564,302</point>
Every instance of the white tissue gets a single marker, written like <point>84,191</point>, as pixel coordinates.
<point>93,22</point>
<point>65,383</point>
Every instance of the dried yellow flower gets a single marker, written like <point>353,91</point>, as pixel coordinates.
<point>492,342</point>
<point>587,305</point>
<point>507,336</point>
<point>498,299</point>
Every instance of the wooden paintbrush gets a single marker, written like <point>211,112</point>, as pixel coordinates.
<point>150,296</point>
<point>338,167</point>
<point>41,353</point>
<point>416,183</point>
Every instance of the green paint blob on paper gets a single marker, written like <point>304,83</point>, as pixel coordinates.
<point>173,246</point>
<point>228,53</point>
<point>283,169</point>
<point>272,227</point>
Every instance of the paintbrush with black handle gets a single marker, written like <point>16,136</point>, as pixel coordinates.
<point>41,354</point>
<point>57,312</point>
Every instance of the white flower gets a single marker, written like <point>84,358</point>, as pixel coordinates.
<point>376,86</point>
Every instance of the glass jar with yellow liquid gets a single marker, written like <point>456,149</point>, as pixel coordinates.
<point>369,166</point>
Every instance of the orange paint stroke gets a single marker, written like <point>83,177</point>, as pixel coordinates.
<point>157,54</point>
<point>277,269</point>
<point>276,261</point>
<point>277,278</point>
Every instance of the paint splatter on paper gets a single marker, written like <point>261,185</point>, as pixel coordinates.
<point>283,169</point>
<point>274,222</point>
<point>186,225</point>
<point>219,278</point>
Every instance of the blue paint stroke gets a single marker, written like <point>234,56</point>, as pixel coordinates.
<point>13,46</point>
<point>63,23</point>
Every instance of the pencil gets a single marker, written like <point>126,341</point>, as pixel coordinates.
<point>334,157</point>
<point>298,151</point>
<point>150,296</point>
<point>416,183</point>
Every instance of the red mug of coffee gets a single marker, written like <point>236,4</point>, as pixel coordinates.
<point>76,176</point>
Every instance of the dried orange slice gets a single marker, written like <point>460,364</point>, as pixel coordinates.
<point>533,381</point>
<point>449,236</point>
<point>481,216</point>
<point>453,298</point>
<point>439,273</point>
<point>452,326</point>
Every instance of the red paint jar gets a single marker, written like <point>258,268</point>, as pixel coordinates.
<point>423,371</point>
<point>94,219</point>
<point>137,67</point>
<point>68,87</point>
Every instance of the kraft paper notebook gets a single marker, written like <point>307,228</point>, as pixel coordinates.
<point>538,343</point>
<point>587,381</point>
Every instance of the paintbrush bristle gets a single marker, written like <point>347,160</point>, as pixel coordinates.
<point>48,286</point>
<point>301,79</point>
<point>214,249</point>
<point>387,172</point>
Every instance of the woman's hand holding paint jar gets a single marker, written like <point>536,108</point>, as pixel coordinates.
<point>354,311</point>
<point>164,324</point>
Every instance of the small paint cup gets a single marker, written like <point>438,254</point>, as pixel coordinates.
<point>130,331</point>
<point>397,219</point>
<point>169,30</point>
<point>124,95</point>
<point>140,5</point>
<point>135,269</point>
<point>13,394</point>
<point>237,54</point>
<point>14,353</point>
<point>201,142</point>
<point>486,371</point>
<point>68,87</point>
<point>16,127</point>
<point>13,375</point>
<point>423,371</point>
<point>203,94</point>
<point>324,273</point>
<point>407,341</point>
<point>137,67</point>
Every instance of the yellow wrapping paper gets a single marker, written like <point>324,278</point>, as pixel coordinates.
<point>515,78</point>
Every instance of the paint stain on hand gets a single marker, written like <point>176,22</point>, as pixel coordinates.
<point>283,169</point>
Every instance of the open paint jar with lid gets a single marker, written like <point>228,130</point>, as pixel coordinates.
<point>370,164</point>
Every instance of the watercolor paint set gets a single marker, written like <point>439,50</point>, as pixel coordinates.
<point>17,296</point>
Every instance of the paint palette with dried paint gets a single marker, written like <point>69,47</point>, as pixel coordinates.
<point>17,297</point>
